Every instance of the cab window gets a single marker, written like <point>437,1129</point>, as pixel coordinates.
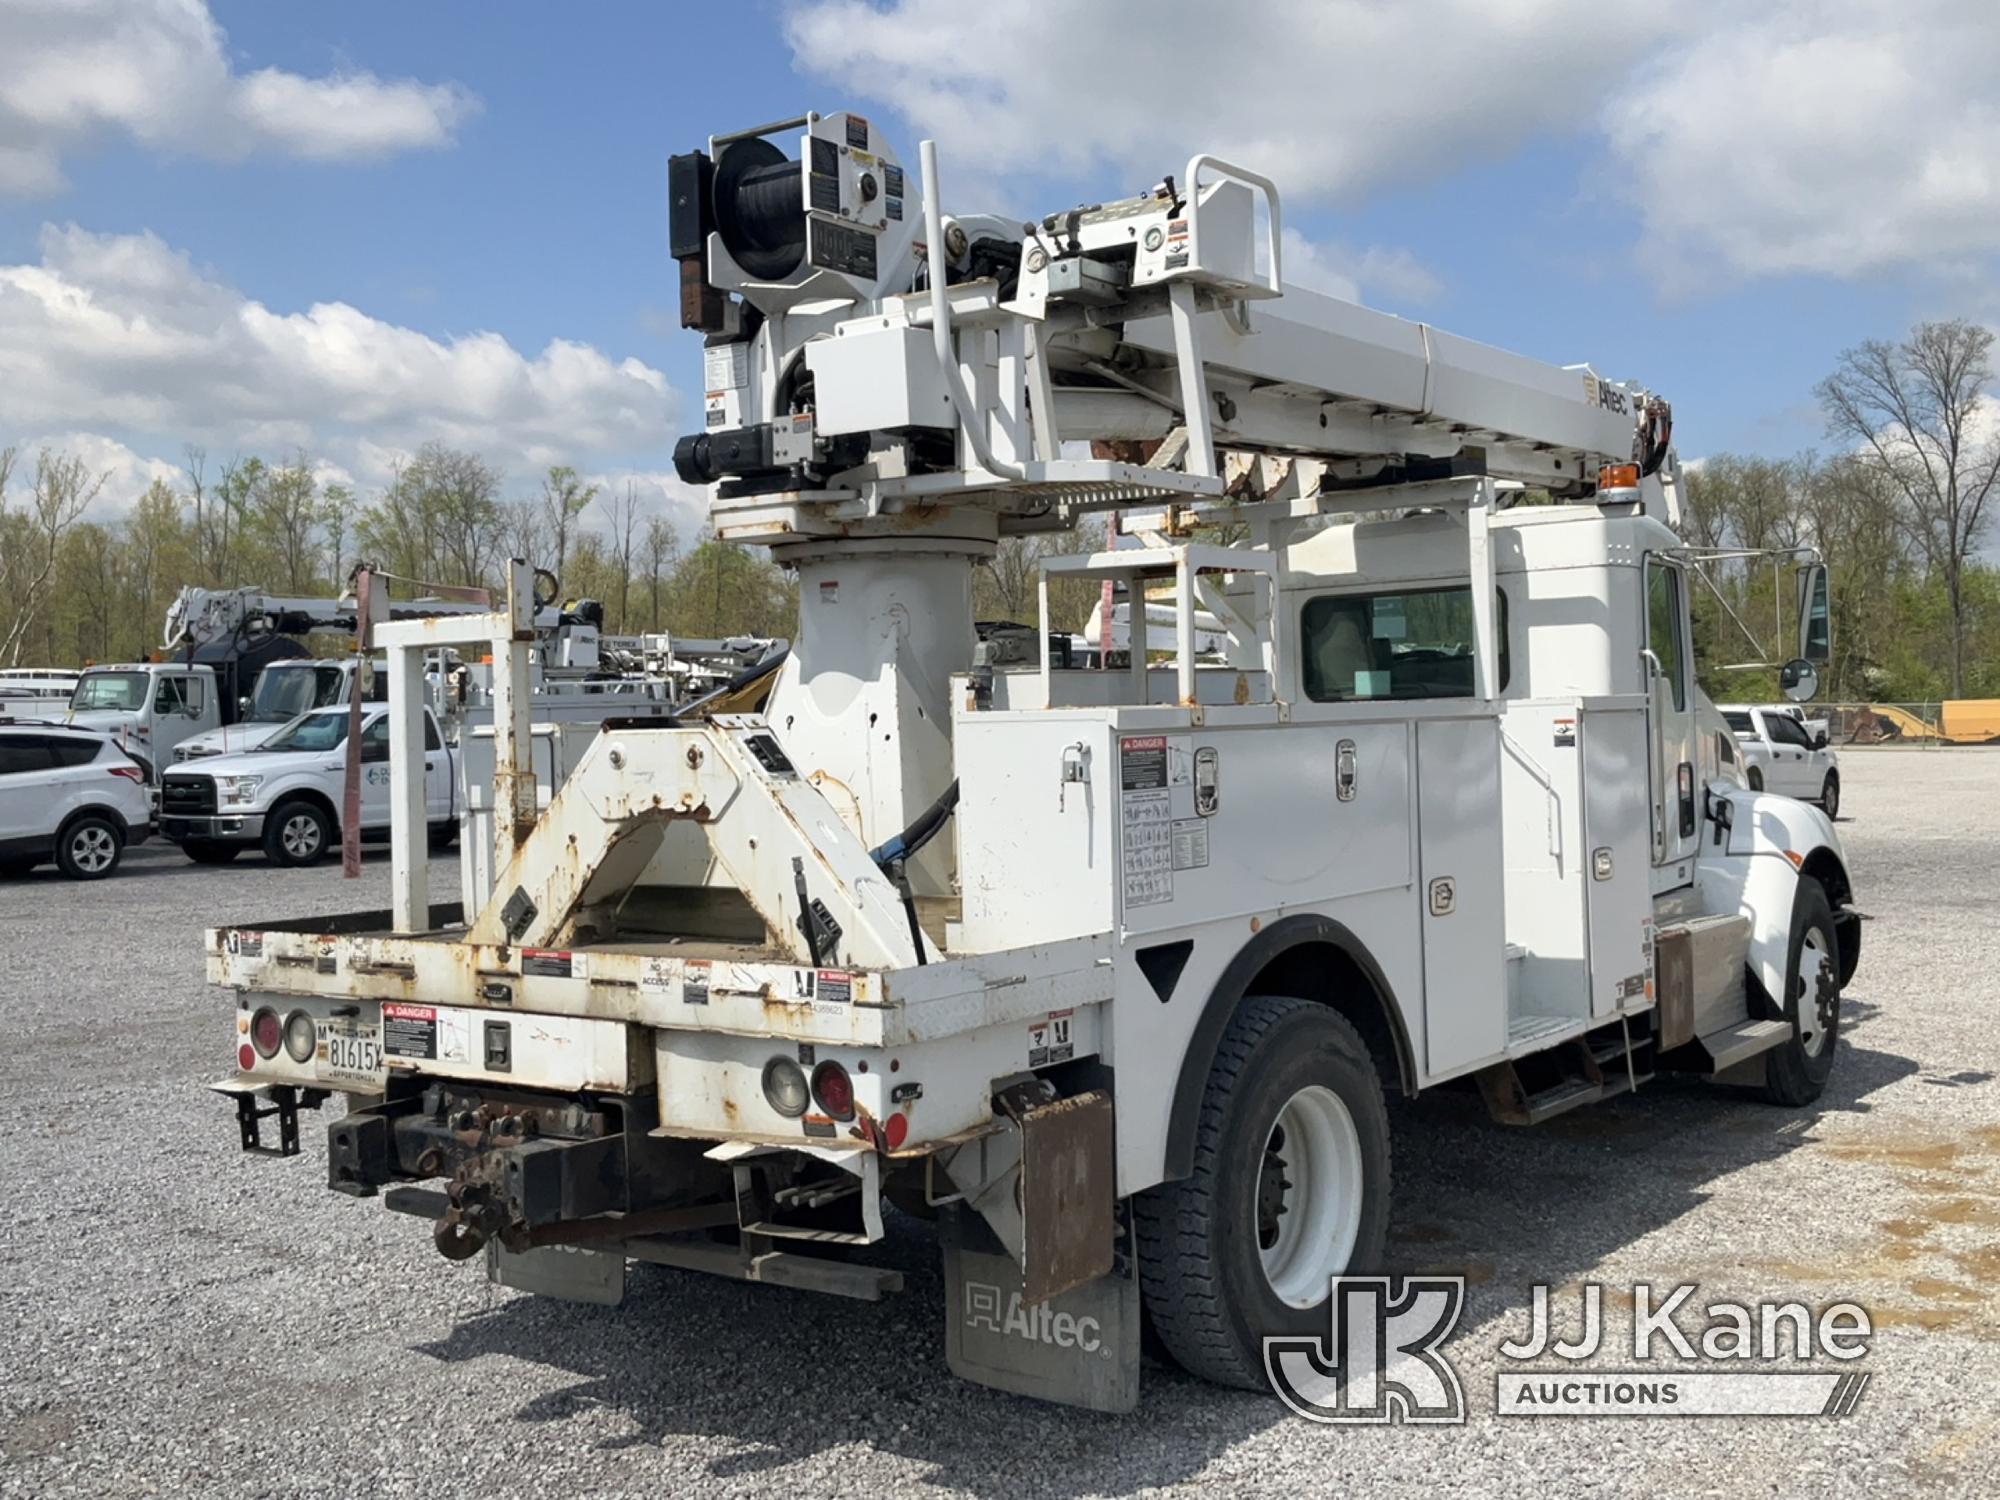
<point>375,740</point>
<point>1786,730</point>
<point>1663,626</point>
<point>431,740</point>
<point>1417,643</point>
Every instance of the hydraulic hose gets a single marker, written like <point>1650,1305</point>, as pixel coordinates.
<point>921,831</point>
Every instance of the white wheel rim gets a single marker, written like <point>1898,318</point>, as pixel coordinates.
<point>300,835</point>
<point>1816,995</point>
<point>92,849</point>
<point>1307,1209</point>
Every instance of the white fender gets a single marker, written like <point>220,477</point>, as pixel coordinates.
<point>1757,870</point>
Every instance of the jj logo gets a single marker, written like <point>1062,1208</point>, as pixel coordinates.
<point>1379,1360</point>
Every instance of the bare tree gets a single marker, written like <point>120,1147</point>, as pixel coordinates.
<point>662,547</point>
<point>31,540</point>
<point>1919,413</point>
<point>284,517</point>
<point>564,498</point>
<point>623,509</point>
<point>524,530</point>
<point>196,463</point>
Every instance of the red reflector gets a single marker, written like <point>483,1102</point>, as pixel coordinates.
<point>834,1090</point>
<point>130,773</point>
<point>245,1058</point>
<point>896,1130</point>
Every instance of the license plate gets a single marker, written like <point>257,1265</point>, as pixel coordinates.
<point>347,1050</point>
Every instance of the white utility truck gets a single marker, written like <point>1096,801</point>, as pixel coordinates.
<point>1107,970</point>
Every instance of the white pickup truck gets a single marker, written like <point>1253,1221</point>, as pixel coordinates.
<point>1782,754</point>
<point>285,797</point>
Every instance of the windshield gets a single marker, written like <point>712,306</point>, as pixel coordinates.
<point>286,692</point>
<point>313,732</point>
<point>126,690</point>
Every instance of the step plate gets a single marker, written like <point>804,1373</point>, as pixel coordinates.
<point>1744,1040</point>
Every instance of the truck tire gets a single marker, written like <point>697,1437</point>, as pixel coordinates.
<point>297,834</point>
<point>1756,778</point>
<point>1829,796</point>
<point>89,847</point>
<point>209,852</point>
<point>1290,1188</point>
<point>1796,1073</point>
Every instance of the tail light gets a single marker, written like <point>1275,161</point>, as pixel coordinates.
<point>300,1037</point>
<point>245,1058</point>
<point>267,1032</point>
<point>834,1090</point>
<point>130,773</point>
<point>785,1087</point>
<point>896,1130</point>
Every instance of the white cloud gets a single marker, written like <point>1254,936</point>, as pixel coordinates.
<point>127,475</point>
<point>157,71</point>
<point>1326,96</point>
<point>1822,136</point>
<point>122,333</point>
<point>1836,138</point>
<point>1375,274</point>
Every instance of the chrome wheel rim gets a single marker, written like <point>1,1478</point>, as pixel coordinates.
<point>1308,1201</point>
<point>93,849</point>
<point>300,835</point>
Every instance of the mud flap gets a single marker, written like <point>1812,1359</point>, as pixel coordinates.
<point>1078,1348</point>
<point>566,1272</point>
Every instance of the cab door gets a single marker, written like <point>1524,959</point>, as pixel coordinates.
<point>1793,771</point>
<point>375,773</point>
<point>1669,666</point>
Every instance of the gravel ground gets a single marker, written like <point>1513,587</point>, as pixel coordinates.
<point>176,1317</point>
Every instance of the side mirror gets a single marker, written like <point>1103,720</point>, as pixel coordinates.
<point>373,753</point>
<point>1721,811</point>
<point>1815,615</point>
<point>1819,740</point>
<point>243,704</point>
<point>1799,681</point>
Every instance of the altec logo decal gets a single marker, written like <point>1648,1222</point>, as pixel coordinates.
<point>987,1307</point>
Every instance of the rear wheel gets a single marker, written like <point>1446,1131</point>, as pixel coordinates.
<point>1290,1189</point>
<point>297,834</point>
<point>1797,1072</point>
<point>89,847</point>
<point>208,852</point>
<point>1829,796</point>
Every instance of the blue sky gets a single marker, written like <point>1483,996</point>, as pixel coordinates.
<point>1721,207</point>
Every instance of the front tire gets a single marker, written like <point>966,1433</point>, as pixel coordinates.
<point>89,847</point>
<point>297,834</point>
<point>1829,796</point>
<point>1796,1073</point>
<point>1290,1188</point>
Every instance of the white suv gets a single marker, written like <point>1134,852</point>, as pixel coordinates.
<point>70,796</point>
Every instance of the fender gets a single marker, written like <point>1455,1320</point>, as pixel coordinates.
<point>1269,945</point>
<point>1774,844</point>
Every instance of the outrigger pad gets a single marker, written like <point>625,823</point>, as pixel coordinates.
<point>1079,1348</point>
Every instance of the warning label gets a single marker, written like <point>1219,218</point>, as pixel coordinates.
<point>1145,817</point>
<point>1142,762</point>
<point>1049,1041</point>
<point>409,1031</point>
<point>835,986</point>
<point>1190,843</point>
<point>427,1033</point>
<point>548,963</point>
<point>694,984</point>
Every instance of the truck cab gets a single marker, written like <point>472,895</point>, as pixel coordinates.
<point>148,708</point>
<point>283,691</point>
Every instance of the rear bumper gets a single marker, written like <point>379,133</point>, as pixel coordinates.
<point>221,828</point>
